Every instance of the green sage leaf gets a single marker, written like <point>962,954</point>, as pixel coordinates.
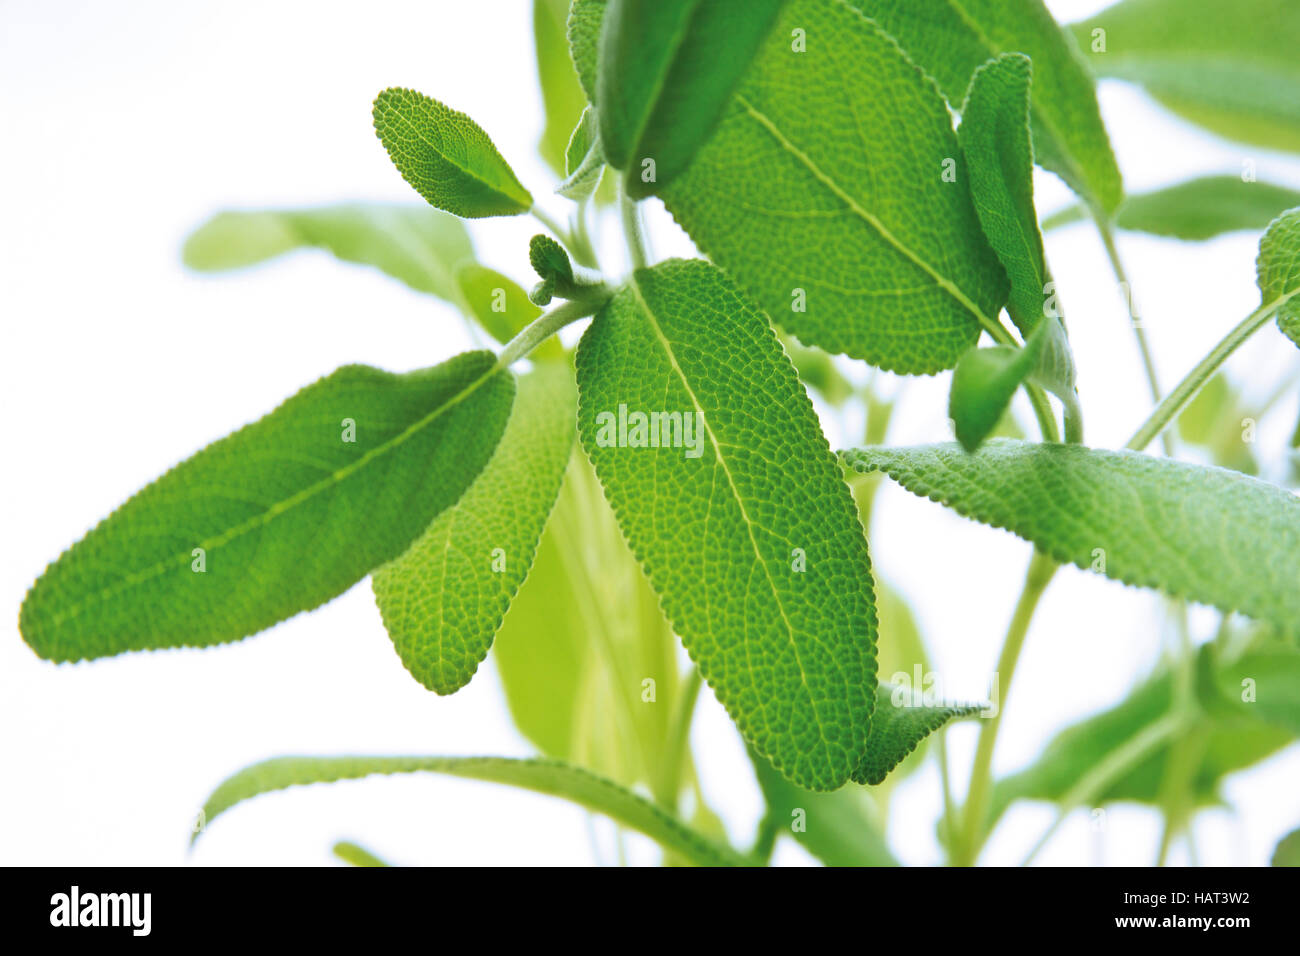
<point>550,777</point>
<point>1229,67</point>
<point>1278,270</point>
<point>753,542</point>
<point>447,157</point>
<point>415,244</point>
<point>1287,852</point>
<point>502,307</point>
<point>443,600</point>
<point>864,242</point>
<point>562,95</point>
<point>666,70</point>
<point>277,518</point>
<point>949,39</point>
<point>1197,209</point>
<point>1194,532</point>
<point>584,160</point>
<point>899,724</point>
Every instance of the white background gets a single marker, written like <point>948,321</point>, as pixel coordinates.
<point>125,125</point>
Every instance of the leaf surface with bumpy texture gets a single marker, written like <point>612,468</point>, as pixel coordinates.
<point>748,532</point>
<point>898,726</point>
<point>277,518</point>
<point>949,39</point>
<point>1278,271</point>
<point>418,245</point>
<point>550,777</point>
<point>443,600</point>
<point>447,157</point>
<point>831,211</point>
<point>1199,533</point>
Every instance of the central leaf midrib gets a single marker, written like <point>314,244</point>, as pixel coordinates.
<point>653,322</point>
<point>274,510</point>
<point>446,158</point>
<point>871,220</point>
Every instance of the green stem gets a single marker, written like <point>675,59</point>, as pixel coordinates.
<point>678,741</point>
<point>1107,233</point>
<point>632,231</point>
<point>577,246</point>
<point>1186,390</point>
<point>1041,570</point>
<point>946,835</point>
<point>1103,774</point>
<point>547,324</point>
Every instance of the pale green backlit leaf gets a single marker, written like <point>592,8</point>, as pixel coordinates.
<point>501,307</point>
<point>831,212</point>
<point>949,39</point>
<point>1216,420</point>
<point>550,777</point>
<point>443,600</point>
<point>277,518</point>
<point>1287,852</point>
<point>1197,209</point>
<point>753,543</point>
<point>1230,67</point>
<point>1279,271</point>
<point>562,95</point>
<point>1204,534</point>
<point>418,245</point>
<point>447,157</point>
<point>666,70</point>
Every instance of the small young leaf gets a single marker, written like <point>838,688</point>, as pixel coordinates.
<point>550,777</point>
<point>837,828</point>
<point>994,137</point>
<point>753,542</point>
<point>1287,852</point>
<point>277,518</point>
<point>899,725</point>
<point>447,157</point>
<point>667,68</point>
<point>1197,209</point>
<point>1230,67</point>
<point>501,307</point>
<point>584,160</point>
<point>986,380</point>
<point>949,39</point>
<point>562,95</point>
<point>1203,534</point>
<point>413,243</point>
<point>1279,271</point>
<point>356,855</point>
<point>443,600</point>
<point>864,242</point>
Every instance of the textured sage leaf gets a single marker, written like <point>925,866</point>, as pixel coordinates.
<point>901,657</point>
<point>1204,534</point>
<point>277,518</point>
<point>832,212</point>
<point>949,39</point>
<point>501,307</point>
<point>666,70</point>
<point>898,726</point>
<point>1278,271</point>
<point>1287,852</point>
<point>752,542</point>
<point>583,635</point>
<point>1230,67</point>
<point>562,97</point>
<point>443,600</point>
<point>585,20</point>
<point>584,160</point>
<point>994,137</point>
<point>1197,209</point>
<point>986,380</point>
<point>1233,739</point>
<point>447,157</point>
<point>840,828</point>
<point>550,777</point>
<point>413,243</point>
